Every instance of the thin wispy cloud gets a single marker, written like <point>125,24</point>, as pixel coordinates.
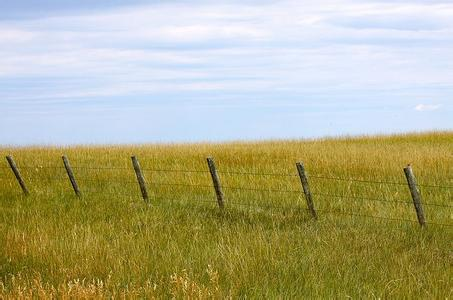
<point>367,55</point>
<point>427,107</point>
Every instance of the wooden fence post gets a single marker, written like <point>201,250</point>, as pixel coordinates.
<point>306,188</point>
<point>16,172</point>
<point>71,176</point>
<point>140,178</point>
<point>415,193</point>
<point>216,182</point>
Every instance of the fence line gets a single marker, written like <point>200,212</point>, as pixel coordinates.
<point>218,186</point>
<point>229,172</point>
<point>244,189</point>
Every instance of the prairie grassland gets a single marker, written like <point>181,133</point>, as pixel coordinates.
<point>110,243</point>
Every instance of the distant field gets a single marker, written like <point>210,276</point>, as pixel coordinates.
<point>366,242</point>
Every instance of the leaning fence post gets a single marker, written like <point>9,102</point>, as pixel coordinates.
<point>71,176</point>
<point>304,180</point>
<point>16,172</point>
<point>415,193</point>
<point>140,178</point>
<point>216,182</point>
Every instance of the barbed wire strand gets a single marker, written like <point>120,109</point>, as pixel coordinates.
<point>39,167</point>
<point>356,180</point>
<point>435,186</point>
<point>175,170</point>
<point>379,200</point>
<point>102,168</point>
<point>383,218</point>
<point>260,190</point>
<point>193,199</point>
<point>362,215</point>
<point>180,184</point>
<point>228,172</point>
<point>261,205</point>
<point>112,193</point>
<point>437,204</point>
<point>235,188</point>
<point>361,198</point>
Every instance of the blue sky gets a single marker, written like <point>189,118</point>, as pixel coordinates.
<point>180,71</point>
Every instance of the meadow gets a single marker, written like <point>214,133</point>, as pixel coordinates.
<point>366,242</point>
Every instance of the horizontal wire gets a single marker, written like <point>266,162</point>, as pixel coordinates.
<point>382,218</point>
<point>179,199</point>
<point>180,184</point>
<point>227,202</point>
<point>101,168</point>
<point>108,180</point>
<point>109,193</point>
<point>356,180</point>
<point>81,179</point>
<point>228,172</point>
<point>378,182</point>
<point>175,170</point>
<point>266,159</point>
<point>144,169</point>
<point>379,200</point>
<point>39,167</point>
<point>100,190</point>
<point>238,188</point>
<point>439,224</point>
<point>104,189</point>
<point>136,195</point>
<point>260,190</point>
<point>262,205</point>
<point>115,180</point>
<point>437,204</point>
<point>365,216</point>
<point>52,178</point>
<point>361,198</point>
<point>435,186</point>
<point>258,174</point>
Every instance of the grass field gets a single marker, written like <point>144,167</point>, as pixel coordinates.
<point>264,244</point>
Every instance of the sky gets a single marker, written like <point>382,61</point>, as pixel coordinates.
<point>96,72</point>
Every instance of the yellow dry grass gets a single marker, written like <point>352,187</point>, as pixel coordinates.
<point>111,244</point>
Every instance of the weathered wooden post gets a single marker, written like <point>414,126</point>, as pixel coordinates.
<point>71,176</point>
<point>216,182</point>
<point>304,180</point>
<point>16,172</point>
<point>140,178</point>
<point>415,193</point>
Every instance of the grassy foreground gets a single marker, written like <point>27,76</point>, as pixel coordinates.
<point>110,243</point>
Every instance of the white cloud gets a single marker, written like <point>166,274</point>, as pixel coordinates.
<point>427,107</point>
<point>8,35</point>
<point>236,46</point>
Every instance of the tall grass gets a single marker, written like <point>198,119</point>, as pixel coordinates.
<point>110,243</point>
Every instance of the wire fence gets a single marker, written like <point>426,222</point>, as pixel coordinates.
<point>220,188</point>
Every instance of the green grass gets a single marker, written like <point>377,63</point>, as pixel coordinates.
<point>111,244</point>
